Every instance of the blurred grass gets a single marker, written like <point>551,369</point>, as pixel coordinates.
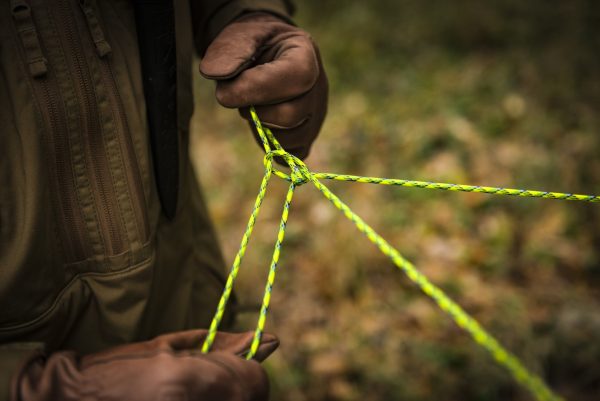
<point>502,93</point>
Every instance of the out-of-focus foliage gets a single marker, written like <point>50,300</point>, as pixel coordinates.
<point>504,93</point>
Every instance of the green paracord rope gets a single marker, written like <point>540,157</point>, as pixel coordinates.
<point>300,175</point>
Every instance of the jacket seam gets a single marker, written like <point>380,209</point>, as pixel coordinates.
<point>57,300</point>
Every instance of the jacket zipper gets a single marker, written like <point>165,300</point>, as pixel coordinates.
<point>99,173</point>
<point>73,232</point>
<point>109,234</point>
<point>132,168</point>
<point>123,134</point>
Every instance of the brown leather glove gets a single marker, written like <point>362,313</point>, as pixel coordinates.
<point>168,368</point>
<point>260,60</point>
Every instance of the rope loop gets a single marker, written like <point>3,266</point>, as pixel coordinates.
<point>300,174</point>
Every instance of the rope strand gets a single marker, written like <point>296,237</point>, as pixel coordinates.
<point>214,325</point>
<point>526,193</point>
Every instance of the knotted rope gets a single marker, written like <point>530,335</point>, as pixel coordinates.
<point>300,174</point>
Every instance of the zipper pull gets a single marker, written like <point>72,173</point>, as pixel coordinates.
<point>93,23</point>
<point>37,63</point>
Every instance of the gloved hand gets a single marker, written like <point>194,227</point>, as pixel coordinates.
<point>167,368</point>
<point>260,60</point>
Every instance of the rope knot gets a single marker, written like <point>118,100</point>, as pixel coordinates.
<point>299,174</point>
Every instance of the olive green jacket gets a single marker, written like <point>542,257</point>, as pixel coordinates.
<point>87,259</point>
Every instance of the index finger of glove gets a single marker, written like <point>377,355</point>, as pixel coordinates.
<point>233,343</point>
<point>240,344</point>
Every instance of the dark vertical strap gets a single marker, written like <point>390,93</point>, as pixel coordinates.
<point>37,63</point>
<point>89,10</point>
<point>155,25</point>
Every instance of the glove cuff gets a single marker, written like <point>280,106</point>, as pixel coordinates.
<point>43,378</point>
<point>13,359</point>
<point>235,9</point>
<point>265,15</point>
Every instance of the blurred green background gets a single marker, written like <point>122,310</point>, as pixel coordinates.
<point>500,93</point>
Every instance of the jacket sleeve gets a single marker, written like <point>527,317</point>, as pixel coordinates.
<point>209,17</point>
<point>13,357</point>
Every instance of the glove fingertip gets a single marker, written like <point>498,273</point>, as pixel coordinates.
<point>268,344</point>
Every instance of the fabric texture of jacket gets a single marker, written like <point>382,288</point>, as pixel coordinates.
<point>87,258</point>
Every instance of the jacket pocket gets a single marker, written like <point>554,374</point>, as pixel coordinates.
<point>96,188</point>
